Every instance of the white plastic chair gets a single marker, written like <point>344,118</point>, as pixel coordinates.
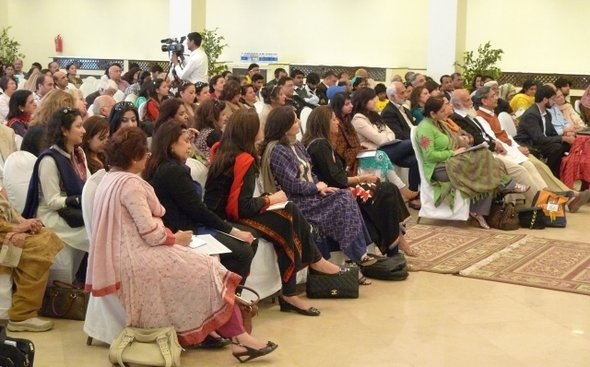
<point>305,112</point>
<point>460,210</point>
<point>259,105</point>
<point>88,87</point>
<point>577,107</point>
<point>141,111</point>
<point>131,98</point>
<point>507,123</point>
<point>119,96</point>
<point>198,171</point>
<point>18,140</point>
<point>18,169</point>
<point>21,83</point>
<point>105,316</point>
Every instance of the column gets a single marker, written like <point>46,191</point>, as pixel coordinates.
<point>446,36</point>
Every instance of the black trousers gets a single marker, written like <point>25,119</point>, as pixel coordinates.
<point>552,154</point>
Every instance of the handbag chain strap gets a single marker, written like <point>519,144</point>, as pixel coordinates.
<point>534,219</point>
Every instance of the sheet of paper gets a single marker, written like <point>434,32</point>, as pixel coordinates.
<point>277,206</point>
<point>476,147</point>
<point>366,154</point>
<point>211,246</point>
<point>197,242</point>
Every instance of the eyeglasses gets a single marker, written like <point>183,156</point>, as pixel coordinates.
<point>124,105</point>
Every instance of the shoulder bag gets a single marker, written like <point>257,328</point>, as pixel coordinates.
<point>146,347</point>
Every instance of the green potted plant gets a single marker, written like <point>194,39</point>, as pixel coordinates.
<point>8,48</point>
<point>213,44</point>
<point>482,64</point>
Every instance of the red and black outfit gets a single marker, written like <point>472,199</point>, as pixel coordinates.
<point>20,124</point>
<point>231,195</point>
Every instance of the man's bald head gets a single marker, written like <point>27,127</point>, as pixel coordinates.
<point>103,105</point>
<point>461,99</point>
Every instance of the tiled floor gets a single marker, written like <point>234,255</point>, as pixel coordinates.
<point>428,320</point>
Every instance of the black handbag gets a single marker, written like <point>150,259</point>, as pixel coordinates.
<point>387,268</point>
<point>344,284</point>
<point>63,301</point>
<point>15,352</point>
<point>72,216</point>
<point>532,218</point>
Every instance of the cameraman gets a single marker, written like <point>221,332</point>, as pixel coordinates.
<point>197,65</point>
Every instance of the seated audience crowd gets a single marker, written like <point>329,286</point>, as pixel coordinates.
<point>307,164</point>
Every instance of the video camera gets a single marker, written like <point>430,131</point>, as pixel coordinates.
<point>173,45</point>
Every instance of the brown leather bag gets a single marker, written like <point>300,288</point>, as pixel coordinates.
<point>248,308</point>
<point>64,301</point>
<point>503,216</point>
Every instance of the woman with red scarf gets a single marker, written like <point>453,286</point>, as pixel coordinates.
<point>20,108</point>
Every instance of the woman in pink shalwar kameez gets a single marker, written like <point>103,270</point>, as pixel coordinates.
<point>158,279</point>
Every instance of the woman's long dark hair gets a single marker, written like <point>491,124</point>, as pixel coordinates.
<point>278,122</point>
<point>168,110</point>
<point>318,125</point>
<point>239,136</point>
<point>166,135</point>
<point>359,105</point>
<point>337,103</point>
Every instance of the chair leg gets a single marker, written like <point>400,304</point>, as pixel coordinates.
<point>418,220</point>
<point>89,341</point>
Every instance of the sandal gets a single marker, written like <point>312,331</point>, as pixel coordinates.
<point>252,353</point>
<point>517,189</point>
<point>415,204</point>
<point>364,281</point>
<point>480,219</point>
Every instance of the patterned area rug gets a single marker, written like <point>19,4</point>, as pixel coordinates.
<point>539,262</point>
<point>449,250</point>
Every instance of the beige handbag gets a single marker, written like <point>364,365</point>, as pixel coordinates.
<point>148,347</point>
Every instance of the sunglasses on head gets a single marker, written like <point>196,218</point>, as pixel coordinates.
<point>124,105</point>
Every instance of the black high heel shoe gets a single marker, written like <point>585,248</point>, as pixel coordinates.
<point>252,353</point>
<point>287,307</point>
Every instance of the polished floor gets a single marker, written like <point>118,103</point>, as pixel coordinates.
<point>428,320</point>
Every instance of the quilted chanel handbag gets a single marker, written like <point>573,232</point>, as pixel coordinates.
<point>146,347</point>
<point>63,301</point>
<point>532,218</point>
<point>344,284</point>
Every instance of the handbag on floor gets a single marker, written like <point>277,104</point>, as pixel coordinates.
<point>553,206</point>
<point>146,347</point>
<point>344,284</point>
<point>503,216</point>
<point>63,301</point>
<point>531,218</point>
<point>387,268</point>
<point>15,352</point>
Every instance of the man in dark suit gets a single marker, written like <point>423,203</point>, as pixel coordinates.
<point>537,132</point>
<point>446,85</point>
<point>397,117</point>
<point>462,105</point>
<point>330,79</point>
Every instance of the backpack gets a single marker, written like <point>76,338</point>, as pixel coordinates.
<point>387,268</point>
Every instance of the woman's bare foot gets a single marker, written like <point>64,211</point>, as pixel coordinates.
<point>480,220</point>
<point>405,247</point>
<point>324,266</point>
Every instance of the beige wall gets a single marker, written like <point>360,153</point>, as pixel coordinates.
<point>331,32</point>
<point>536,35</point>
<point>90,28</point>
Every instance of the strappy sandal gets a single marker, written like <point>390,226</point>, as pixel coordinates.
<point>251,353</point>
<point>364,281</point>
<point>517,189</point>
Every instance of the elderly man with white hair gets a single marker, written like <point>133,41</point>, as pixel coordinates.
<point>397,117</point>
<point>518,167</point>
<point>105,86</point>
<point>103,105</point>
